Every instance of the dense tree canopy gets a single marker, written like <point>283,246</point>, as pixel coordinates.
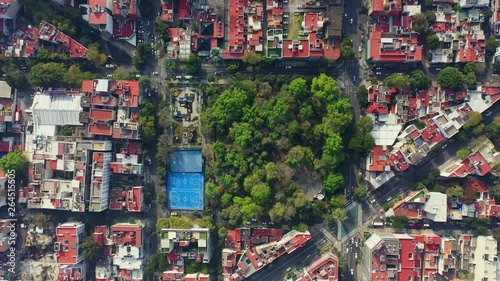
<point>400,81</point>
<point>451,78</point>
<point>14,162</point>
<point>474,118</point>
<point>346,48</point>
<point>419,80</point>
<point>95,56</point>
<point>432,41</point>
<point>48,74</point>
<point>271,142</point>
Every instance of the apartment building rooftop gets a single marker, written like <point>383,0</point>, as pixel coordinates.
<point>242,263</point>
<point>324,268</point>
<point>63,42</point>
<point>167,11</point>
<point>69,238</point>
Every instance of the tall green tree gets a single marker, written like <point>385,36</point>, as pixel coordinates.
<point>14,162</point>
<point>48,75</point>
<point>451,78</point>
<point>419,80</point>
<point>91,250</point>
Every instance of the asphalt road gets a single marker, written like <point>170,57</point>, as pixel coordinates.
<point>352,255</point>
<point>278,268</point>
<point>402,183</point>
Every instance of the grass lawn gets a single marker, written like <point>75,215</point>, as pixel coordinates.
<point>294,26</point>
<point>274,51</point>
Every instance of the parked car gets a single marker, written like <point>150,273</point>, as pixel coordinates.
<point>109,65</point>
<point>156,73</point>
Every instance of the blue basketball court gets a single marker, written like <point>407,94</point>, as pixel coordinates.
<point>186,161</point>
<point>185,191</point>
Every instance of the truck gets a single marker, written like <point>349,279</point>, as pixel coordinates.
<point>18,116</point>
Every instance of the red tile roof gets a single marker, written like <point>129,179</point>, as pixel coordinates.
<point>123,29</point>
<point>129,234</point>
<point>394,52</point>
<point>101,114</point>
<point>300,49</point>
<point>97,14</point>
<point>167,11</point>
<point>397,160</point>
<point>478,185</point>
<point>67,236</point>
<point>379,159</point>
<point>184,9</point>
<point>101,129</point>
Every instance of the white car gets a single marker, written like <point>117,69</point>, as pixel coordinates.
<point>360,49</point>
<point>156,73</point>
<point>347,251</point>
<point>352,20</point>
<point>288,67</point>
<point>352,271</point>
<point>389,199</point>
<point>356,256</point>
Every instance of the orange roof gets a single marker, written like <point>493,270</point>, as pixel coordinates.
<point>98,18</point>
<point>101,114</point>
<point>300,50</point>
<point>379,159</point>
<point>100,129</point>
<point>67,236</point>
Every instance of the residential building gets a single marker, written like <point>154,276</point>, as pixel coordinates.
<point>420,205</point>
<point>101,176</point>
<point>479,162</point>
<point>74,272</point>
<point>479,256</point>
<point>167,11</point>
<point>62,42</point>
<point>131,200</point>
<point>123,246</point>
<point>8,10</point>
<point>391,257</point>
<point>116,18</point>
<point>393,39</point>
<point>428,246</point>
<point>191,243</point>
<point>210,33</point>
<point>7,107</point>
<point>325,268</point>
<point>179,46</point>
<point>58,174</point>
<point>460,35</point>
<point>68,245</point>
<point>448,257</point>
<point>244,19</point>
<point>180,244</point>
<point>113,107</point>
<point>390,108</point>
<point>249,250</point>
<point>184,10</point>
<point>98,15</point>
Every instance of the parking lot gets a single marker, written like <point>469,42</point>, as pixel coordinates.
<point>145,32</point>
